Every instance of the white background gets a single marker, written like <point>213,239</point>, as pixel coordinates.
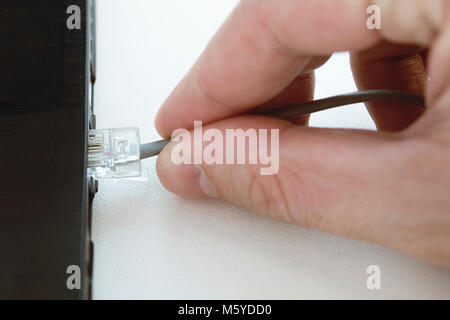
<point>151,244</point>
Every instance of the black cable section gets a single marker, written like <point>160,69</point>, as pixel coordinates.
<point>152,149</point>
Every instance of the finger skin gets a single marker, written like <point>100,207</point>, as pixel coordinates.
<point>411,21</point>
<point>425,23</point>
<point>258,52</point>
<point>299,91</point>
<point>364,185</point>
<point>395,67</point>
<point>264,37</point>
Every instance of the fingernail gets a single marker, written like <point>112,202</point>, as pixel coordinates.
<point>205,184</point>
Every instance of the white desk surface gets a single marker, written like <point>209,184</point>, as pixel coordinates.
<point>150,244</point>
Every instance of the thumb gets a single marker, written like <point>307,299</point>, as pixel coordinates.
<point>325,179</point>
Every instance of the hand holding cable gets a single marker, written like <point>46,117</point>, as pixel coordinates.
<point>390,187</point>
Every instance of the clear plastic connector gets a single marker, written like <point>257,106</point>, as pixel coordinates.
<point>114,153</point>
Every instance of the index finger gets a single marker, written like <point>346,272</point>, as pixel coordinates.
<point>258,51</point>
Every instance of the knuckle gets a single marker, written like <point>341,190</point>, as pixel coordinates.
<point>286,196</point>
<point>415,21</point>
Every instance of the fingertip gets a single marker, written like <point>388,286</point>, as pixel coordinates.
<point>161,123</point>
<point>185,180</point>
<point>170,113</point>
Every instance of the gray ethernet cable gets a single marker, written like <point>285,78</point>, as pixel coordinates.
<point>117,153</point>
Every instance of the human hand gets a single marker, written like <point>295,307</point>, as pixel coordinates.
<point>391,187</point>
